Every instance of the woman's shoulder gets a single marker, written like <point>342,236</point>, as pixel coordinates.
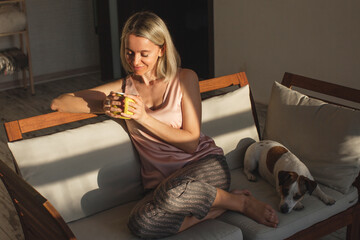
<point>189,81</point>
<point>186,72</point>
<point>187,76</point>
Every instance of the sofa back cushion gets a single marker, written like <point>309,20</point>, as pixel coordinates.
<point>229,121</point>
<point>324,136</point>
<point>81,171</point>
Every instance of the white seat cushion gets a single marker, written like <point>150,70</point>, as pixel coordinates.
<point>314,211</point>
<point>112,225</point>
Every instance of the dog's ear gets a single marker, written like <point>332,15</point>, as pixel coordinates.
<point>287,177</point>
<point>309,184</point>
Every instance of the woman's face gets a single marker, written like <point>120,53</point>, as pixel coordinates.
<point>142,55</point>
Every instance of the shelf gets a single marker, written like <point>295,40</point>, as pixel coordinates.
<point>24,44</point>
<point>12,33</point>
<point>10,1</point>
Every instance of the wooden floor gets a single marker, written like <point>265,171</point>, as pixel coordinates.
<point>19,103</point>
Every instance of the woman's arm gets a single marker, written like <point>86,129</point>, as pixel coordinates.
<point>186,138</point>
<point>85,101</point>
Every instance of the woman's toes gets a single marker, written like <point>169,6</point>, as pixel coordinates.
<point>272,218</point>
<point>260,212</point>
<point>244,192</point>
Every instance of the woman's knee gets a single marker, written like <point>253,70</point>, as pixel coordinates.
<point>152,225</point>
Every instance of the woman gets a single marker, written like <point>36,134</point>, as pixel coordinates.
<point>184,172</point>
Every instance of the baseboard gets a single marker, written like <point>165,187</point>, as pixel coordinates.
<point>49,77</point>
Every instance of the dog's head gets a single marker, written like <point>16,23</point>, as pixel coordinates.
<point>292,189</point>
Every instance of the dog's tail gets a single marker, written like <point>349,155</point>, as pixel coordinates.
<point>245,143</point>
<point>249,141</point>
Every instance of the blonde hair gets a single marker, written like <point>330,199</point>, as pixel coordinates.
<point>149,25</point>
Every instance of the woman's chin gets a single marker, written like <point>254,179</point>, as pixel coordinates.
<point>139,73</point>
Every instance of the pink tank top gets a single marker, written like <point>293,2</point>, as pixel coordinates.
<point>158,158</point>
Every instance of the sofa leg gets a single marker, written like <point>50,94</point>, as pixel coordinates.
<point>352,233</point>
<point>353,230</point>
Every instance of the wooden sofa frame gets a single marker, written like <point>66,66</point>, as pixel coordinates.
<point>40,220</point>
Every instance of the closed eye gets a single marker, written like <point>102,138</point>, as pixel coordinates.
<point>285,191</point>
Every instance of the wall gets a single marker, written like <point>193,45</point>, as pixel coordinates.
<point>62,38</point>
<point>319,39</point>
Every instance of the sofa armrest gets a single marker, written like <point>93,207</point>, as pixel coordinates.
<point>39,219</point>
<point>15,129</point>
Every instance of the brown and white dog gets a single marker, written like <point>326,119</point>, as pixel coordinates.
<point>285,171</point>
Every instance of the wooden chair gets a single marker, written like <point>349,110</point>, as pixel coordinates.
<point>349,218</point>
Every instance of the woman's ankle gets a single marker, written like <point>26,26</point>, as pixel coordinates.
<point>240,199</point>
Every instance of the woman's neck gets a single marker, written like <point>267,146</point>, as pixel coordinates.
<point>146,79</point>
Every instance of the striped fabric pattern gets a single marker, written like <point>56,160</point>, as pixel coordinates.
<point>190,191</point>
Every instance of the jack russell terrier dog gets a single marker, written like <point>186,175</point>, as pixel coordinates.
<point>285,171</point>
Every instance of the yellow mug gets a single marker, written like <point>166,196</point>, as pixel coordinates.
<point>125,101</point>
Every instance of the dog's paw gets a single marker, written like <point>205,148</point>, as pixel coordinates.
<point>329,201</point>
<point>251,177</point>
<point>299,206</point>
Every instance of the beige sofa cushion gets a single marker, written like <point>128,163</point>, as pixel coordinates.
<point>324,136</point>
<point>81,171</point>
<point>229,121</point>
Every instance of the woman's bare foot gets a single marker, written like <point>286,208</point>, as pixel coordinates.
<point>259,211</point>
<point>240,201</point>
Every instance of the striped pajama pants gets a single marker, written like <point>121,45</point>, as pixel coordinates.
<point>190,191</point>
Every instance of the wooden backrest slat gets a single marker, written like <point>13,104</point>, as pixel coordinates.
<point>319,86</point>
<point>15,129</point>
<point>51,120</point>
<point>222,82</point>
